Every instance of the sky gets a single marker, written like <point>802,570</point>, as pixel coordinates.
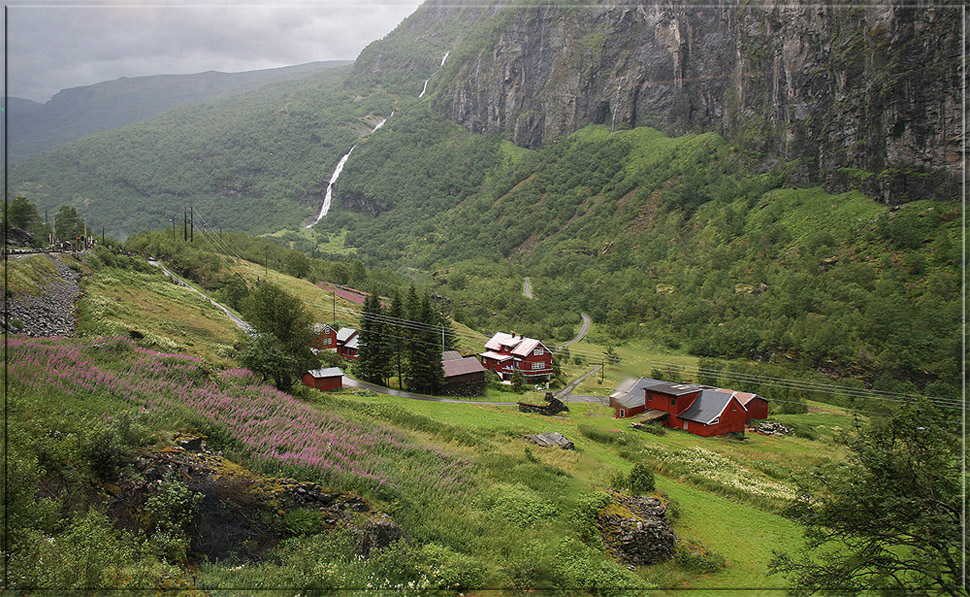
<point>54,45</point>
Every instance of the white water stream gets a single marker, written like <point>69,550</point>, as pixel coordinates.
<point>423,89</point>
<point>328,198</point>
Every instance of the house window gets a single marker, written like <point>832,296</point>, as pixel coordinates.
<point>538,366</point>
<point>673,402</point>
<point>539,352</point>
<point>327,342</point>
<point>622,413</point>
<point>715,421</point>
<point>649,398</point>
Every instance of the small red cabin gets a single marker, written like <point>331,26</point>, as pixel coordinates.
<point>324,379</point>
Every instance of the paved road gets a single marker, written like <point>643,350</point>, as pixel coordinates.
<point>232,316</point>
<point>527,287</point>
<point>363,385</point>
<point>563,394</point>
<point>587,320</point>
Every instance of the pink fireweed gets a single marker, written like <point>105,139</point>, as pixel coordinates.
<point>273,425</point>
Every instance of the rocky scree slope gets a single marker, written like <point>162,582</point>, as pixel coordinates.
<point>51,312</point>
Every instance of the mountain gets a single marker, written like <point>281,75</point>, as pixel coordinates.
<point>841,89</point>
<point>73,113</point>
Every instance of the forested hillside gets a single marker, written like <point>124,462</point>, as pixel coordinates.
<point>700,243</point>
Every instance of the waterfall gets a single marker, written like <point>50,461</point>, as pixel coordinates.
<point>425,88</point>
<point>379,125</point>
<point>443,58</point>
<point>333,178</point>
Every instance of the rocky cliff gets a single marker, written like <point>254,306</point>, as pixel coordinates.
<point>866,96</point>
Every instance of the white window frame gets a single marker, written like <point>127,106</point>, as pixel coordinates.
<point>538,352</point>
<point>538,366</point>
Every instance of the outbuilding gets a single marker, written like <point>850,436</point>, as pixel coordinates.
<point>324,379</point>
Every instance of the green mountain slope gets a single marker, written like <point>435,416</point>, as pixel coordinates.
<point>72,113</point>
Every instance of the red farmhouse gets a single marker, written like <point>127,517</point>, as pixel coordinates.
<point>347,343</point>
<point>701,410</point>
<point>324,379</point>
<point>326,336</point>
<point>505,353</point>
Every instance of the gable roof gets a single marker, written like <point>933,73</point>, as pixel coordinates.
<point>526,346</point>
<point>708,406</point>
<point>464,366</point>
<point>743,397</point>
<point>344,334</point>
<point>353,342</point>
<point>630,393</point>
<point>319,328</point>
<point>450,355</point>
<point>501,340</point>
<point>324,373</point>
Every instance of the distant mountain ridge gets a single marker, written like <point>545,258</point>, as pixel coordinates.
<point>73,113</point>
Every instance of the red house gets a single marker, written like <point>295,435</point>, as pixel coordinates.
<point>324,379</point>
<point>326,336</point>
<point>506,353</point>
<point>347,343</point>
<point>701,410</point>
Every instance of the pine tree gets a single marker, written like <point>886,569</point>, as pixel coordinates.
<point>396,336</point>
<point>369,356</point>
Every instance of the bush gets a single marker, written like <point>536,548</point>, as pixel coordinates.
<point>695,558</point>
<point>603,437</point>
<point>641,479</point>
<point>104,450</point>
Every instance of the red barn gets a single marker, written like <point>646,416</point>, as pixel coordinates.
<point>324,379</point>
<point>698,409</point>
<point>506,353</point>
<point>347,343</point>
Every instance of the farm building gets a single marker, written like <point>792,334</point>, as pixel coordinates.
<point>505,353</point>
<point>701,410</point>
<point>347,343</point>
<point>464,376</point>
<point>324,379</point>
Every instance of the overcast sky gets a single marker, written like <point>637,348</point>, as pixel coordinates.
<point>53,46</point>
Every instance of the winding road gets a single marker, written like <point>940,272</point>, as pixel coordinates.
<point>232,316</point>
<point>587,320</point>
<point>527,287</point>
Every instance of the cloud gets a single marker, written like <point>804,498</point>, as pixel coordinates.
<point>56,46</point>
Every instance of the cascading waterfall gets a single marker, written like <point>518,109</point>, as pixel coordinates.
<point>423,89</point>
<point>333,178</point>
<point>443,58</point>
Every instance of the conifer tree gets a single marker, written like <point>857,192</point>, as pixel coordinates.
<point>395,338</point>
<point>371,358</point>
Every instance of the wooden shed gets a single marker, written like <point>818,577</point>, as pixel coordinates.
<point>324,379</point>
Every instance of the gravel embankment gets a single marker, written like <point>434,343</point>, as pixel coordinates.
<point>53,312</point>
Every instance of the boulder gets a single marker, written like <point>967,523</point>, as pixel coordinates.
<point>551,439</point>
<point>636,531</point>
<point>380,531</point>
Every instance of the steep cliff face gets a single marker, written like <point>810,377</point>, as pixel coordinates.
<point>867,97</point>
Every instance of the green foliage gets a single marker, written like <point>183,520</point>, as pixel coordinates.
<point>280,347</point>
<point>893,511</point>
<point>641,479</point>
<point>696,559</point>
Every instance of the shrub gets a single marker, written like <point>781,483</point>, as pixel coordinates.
<point>104,450</point>
<point>641,479</point>
<point>695,558</point>
<point>302,522</point>
<point>603,437</point>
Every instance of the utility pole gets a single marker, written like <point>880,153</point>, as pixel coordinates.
<point>266,259</point>
<point>102,235</point>
<point>185,225</point>
<point>172,220</point>
<point>335,307</point>
<point>192,223</point>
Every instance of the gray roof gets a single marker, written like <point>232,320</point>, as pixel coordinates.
<point>353,342</point>
<point>329,372</point>
<point>676,389</point>
<point>465,366</point>
<point>344,333</point>
<point>450,355</point>
<point>630,393</point>
<point>707,407</point>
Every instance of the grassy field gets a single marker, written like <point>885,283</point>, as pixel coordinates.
<point>168,316</point>
<point>741,525</point>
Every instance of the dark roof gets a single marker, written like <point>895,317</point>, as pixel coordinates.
<point>676,389</point>
<point>630,393</point>
<point>464,366</point>
<point>450,355</point>
<point>707,407</point>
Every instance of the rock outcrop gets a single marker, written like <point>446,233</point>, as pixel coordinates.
<point>636,531</point>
